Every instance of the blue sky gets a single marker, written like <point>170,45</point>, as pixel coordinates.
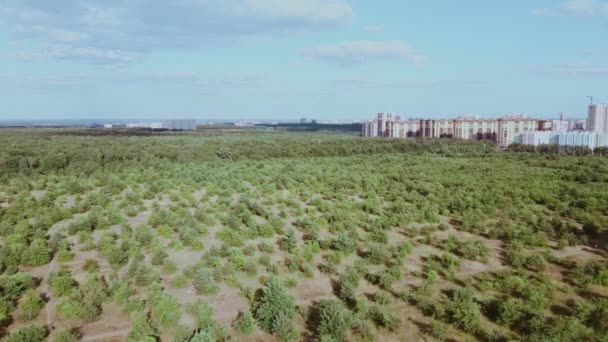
<point>285,59</point>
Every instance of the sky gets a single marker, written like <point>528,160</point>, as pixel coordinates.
<point>286,59</point>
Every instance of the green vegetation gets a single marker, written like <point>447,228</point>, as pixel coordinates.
<point>198,237</point>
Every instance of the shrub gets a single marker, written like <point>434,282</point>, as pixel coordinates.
<point>330,319</point>
<point>274,308</point>
<point>32,333</point>
<point>244,323</point>
<point>204,283</point>
<point>31,304</point>
<point>382,318</point>
<point>289,243</point>
<point>463,311</point>
<point>202,313</point>
<point>142,328</point>
<point>64,336</point>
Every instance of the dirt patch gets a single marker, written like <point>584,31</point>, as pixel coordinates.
<point>139,219</point>
<point>310,290</point>
<point>579,253</point>
<point>226,304</point>
<point>113,325</point>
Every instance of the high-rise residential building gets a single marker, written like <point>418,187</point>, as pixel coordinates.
<point>554,125</point>
<point>597,119</point>
<point>577,125</point>
<point>437,128</point>
<point>537,138</point>
<point>510,129</point>
<point>475,129</point>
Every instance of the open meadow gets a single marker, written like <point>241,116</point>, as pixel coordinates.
<point>274,236</point>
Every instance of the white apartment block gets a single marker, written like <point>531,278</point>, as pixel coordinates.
<point>475,129</point>
<point>590,140</point>
<point>538,138</point>
<point>510,129</point>
<point>597,119</point>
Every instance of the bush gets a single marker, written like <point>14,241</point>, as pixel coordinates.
<point>382,318</point>
<point>330,319</point>
<point>64,336</point>
<point>142,328</point>
<point>244,323</point>
<point>204,283</point>
<point>202,313</point>
<point>31,304</point>
<point>274,308</point>
<point>463,311</point>
<point>32,333</point>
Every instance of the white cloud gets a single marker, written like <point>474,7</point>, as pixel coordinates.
<point>580,69</point>
<point>367,83</point>
<point>150,78</point>
<point>111,29</point>
<point>362,52</point>
<point>580,7</point>
<point>586,8</point>
<point>374,28</point>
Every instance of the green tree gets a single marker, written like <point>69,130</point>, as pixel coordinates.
<point>205,335</point>
<point>202,313</point>
<point>38,253</point>
<point>204,283</point>
<point>64,336</point>
<point>31,304</point>
<point>274,308</point>
<point>32,333</point>
<point>142,328</point>
<point>289,243</point>
<point>331,319</point>
<point>244,323</point>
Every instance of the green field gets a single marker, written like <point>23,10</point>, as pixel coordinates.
<point>260,236</point>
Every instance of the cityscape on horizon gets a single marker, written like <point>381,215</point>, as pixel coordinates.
<point>505,131</point>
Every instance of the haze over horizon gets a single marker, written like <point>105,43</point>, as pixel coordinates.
<point>323,59</point>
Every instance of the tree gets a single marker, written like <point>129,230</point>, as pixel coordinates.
<point>64,336</point>
<point>274,307</point>
<point>166,311</point>
<point>38,253</point>
<point>205,335</point>
<point>31,304</point>
<point>330,319</point>
<point>289,243</point>
<point>202,313</point>
<point>142,327</point>
<point>282,327</point>
<point>244,323</point>
<point>204,283</point>
<point>62,283</point>
<point>32,333</point>
<point>463,311</point>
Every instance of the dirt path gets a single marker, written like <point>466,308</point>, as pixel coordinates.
<point>45,289</point>
<point>106,336</point>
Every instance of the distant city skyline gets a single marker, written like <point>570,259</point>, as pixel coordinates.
<point>283,60</point>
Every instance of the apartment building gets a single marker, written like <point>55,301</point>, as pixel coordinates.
<point>437,128</point>
<point>475,129</point>
<point>597,119</point>
<point>511,128</point>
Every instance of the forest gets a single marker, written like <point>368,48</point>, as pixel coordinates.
<point>307,236</point>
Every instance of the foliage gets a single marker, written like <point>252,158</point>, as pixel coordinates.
<point>244,323</point>
<point>32,333</point>
<point>330,318</point>
<point>31,304</point>
<point>274,309</point>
